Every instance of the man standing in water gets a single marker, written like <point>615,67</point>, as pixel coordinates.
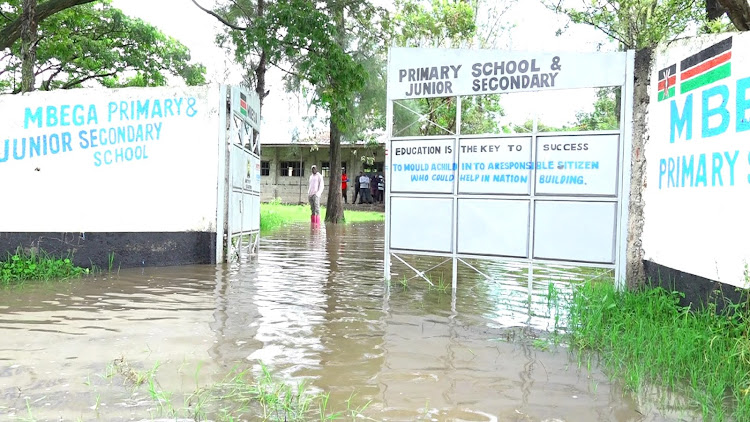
<point>314,191</point>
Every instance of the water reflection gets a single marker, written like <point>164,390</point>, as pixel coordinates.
<point>312,306</point>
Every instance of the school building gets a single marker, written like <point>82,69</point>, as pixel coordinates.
<point>285,165</point>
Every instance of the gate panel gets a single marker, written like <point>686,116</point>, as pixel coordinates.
<point>243,174</point>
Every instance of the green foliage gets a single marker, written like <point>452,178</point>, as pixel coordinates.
<point>481,114</point>
<point>96,42</point>
<point>717,26</point>
<point>645,337</point>
<point>528,127</point>
<point>23,266</point>
<point>604,116</point>
<point>238,396</point>
<point>436,23</point>
<point>636,23</point>
<point>309,41</point>
<point>441,24</point>
<point>274,215</point>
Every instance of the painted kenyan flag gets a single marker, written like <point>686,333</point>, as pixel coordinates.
<point>707,66</point>
<point>667,82</point>
<point>243,104</point>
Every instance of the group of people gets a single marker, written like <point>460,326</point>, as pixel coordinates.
<point>370,189</point>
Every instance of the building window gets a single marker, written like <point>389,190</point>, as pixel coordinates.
<point>265,168</point>
<point>325,168</point>
<point>376,167</point>
<point>291,168</point>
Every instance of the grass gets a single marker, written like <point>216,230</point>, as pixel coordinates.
<point>238,396</point>
<point>274,215</point>
<point>24,266</point>
<point>646,338</point>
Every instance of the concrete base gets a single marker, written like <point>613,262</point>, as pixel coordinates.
<point>130,249</point>
<point>698,291</point>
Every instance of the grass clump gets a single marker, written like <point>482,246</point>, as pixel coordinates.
<point>275,214</point>
<point>647,337</point>
<point>24,266</point>
<point>238,396</point>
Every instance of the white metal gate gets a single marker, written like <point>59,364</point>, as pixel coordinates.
<point>241,187</point>
<point>445,196</point>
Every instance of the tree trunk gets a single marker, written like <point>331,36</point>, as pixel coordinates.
<point>28,45</point>
<point>260,70</point>
<point>335,204</point>
<point>335,207</point>
<point>714,9</point>
<point>738,12</point>
<point>11,32</point>
<point>635,272</point>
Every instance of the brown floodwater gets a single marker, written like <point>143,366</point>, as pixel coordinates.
<point>312,306</point>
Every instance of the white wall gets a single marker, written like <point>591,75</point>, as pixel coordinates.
<point>696,227</point>
<point>168,184</point>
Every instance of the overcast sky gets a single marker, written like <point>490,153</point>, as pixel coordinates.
<point>534,30</point>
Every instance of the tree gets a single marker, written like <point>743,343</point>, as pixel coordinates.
<point>635,24</point>
<point>442,24</point>
<point>738,12</point>
<point>11,21</point>
<point>640,25</point>
<point>100,43</point>
<point>29,29</point>
<point>605,114</point>
<point>238,18</point>
<point>312,43</point>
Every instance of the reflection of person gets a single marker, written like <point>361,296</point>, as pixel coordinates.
<point>314,191</point>
<point>344,179</point>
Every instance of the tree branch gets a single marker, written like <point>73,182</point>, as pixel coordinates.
<point>6,17</point>
<point>220,19</point>
<point>75,82</point>
<point>11,32</point>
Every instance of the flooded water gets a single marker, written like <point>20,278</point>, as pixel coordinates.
<point>313,306</point>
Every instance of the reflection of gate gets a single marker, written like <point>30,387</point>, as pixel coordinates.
<point>242,174</point>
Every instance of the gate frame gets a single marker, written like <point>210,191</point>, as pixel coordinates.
<point>621,199</point>
<point>232,126</point>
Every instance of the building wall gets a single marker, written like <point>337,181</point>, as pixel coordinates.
<point>293,189</point>
<point>696,164</point>
<point>130,173</point>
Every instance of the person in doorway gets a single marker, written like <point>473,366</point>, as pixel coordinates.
<point>381,188</point>
<point>314,191</point>
<point>344,180</point>
<point>364,188</point>
<point>356,189</point>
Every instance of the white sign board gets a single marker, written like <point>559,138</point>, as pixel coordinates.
<point>421,73</point>
<point>425,166</point>
<point>139,150</point>
<point>495,166</point>
<point>493,227</point>
<point>577,165</point>
<point>575,231</point>
<point>416,224</point>
<point>247,107</point>
<point>698,158</point>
